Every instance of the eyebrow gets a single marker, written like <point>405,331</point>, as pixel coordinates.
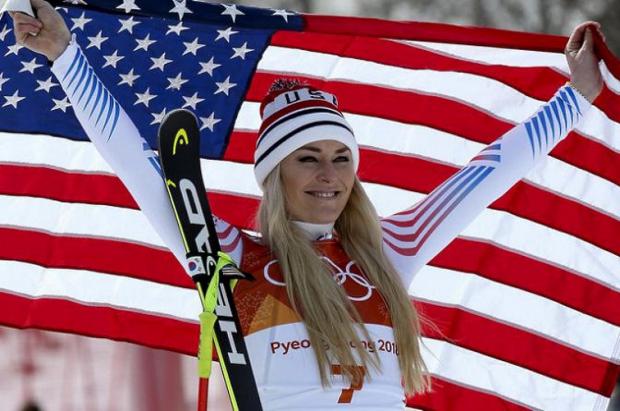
<point>318,150</point>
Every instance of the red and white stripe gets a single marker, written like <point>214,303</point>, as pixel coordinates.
<point>525,304</point>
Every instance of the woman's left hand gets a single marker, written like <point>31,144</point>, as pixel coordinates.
<point>583,62</point>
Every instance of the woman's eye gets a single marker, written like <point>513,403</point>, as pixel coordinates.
<point>307,159</point>
<point>341,159</point>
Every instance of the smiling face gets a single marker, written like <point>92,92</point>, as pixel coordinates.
<point>317,180</point>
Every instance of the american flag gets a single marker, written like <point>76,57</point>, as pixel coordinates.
<point>525,303</point>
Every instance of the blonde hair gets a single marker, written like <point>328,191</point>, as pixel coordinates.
<point>329,316</point>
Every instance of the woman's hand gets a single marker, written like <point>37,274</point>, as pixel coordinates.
<point>48,34</point>
<point>583,62</point>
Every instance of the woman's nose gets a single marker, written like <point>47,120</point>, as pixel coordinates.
<point>327,171</point>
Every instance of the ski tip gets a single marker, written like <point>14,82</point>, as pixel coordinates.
<point>179,114</point>
<point>179,127</point>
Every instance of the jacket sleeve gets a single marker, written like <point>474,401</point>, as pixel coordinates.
<point>118,141</point>
<point>413,237</point>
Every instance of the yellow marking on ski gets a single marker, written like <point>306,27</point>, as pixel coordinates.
<point>170,183</point>
<point>180,138</point>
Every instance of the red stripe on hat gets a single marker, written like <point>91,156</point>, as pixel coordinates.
<point>291,108</point>
<point>272,95</point>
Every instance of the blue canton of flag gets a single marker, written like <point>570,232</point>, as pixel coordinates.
<point>200,57</point>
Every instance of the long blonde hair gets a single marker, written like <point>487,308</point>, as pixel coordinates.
<point>330,318</point>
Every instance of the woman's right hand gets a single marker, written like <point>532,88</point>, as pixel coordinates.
<point>48,34</point>
<point>583,61</point>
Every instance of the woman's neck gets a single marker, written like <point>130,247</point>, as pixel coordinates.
<point>316,231</point>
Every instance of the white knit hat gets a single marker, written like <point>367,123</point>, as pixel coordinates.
<point>294,117</point>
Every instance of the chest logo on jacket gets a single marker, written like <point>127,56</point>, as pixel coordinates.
<point>359,290</point>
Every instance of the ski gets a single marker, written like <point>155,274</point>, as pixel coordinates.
<point>179,152</point>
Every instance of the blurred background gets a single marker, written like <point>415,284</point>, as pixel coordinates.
<point>52,371</point>
<point>543,16</point>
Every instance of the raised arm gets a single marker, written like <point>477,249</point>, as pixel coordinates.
<point>108,126</point>
<point>413,237</point>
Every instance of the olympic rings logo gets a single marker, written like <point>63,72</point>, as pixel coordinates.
<point>340,276</point>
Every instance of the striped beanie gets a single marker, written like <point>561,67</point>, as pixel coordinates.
<point>294,115</point>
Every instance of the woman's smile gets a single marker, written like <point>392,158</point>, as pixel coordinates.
<point>325,195</point>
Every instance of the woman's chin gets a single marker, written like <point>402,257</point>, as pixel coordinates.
<point>319,218</point>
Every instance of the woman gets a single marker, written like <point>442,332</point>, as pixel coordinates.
<point>314,342</point>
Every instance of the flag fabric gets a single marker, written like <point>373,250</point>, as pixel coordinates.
<point>524,308</point>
